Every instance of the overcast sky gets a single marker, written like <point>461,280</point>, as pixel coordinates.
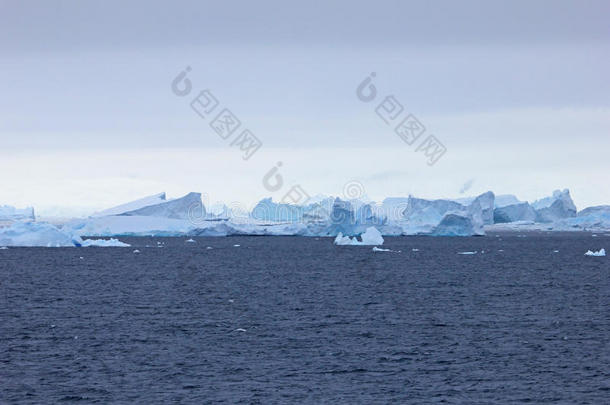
<point>517,91</point>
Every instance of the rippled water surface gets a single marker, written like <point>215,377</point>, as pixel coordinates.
<point>298,320</point>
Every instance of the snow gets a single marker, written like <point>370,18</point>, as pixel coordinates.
<point>370,237</point>
<point>599,253</point>
<point>104,243</point>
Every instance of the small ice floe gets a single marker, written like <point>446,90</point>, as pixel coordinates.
<point>240,330</point>
<point>104,243</point>
<point>555,251</point>
<point>594,235</point>
<point>370,237</point>
<point>209,247</point>
<point>136,251</point>
<point>376,249</point>
<point>231,301</point>
<point>52,326</point>
<point>601,252</point>
<point>190,241</point>
<point>500,250</point>
<point>415,250</point>
<point>236,245</point>
<point>467,253</point>
<point>81,258</point>
<point>3,248</point>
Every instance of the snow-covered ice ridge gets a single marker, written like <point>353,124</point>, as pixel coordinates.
<point>329,216</point>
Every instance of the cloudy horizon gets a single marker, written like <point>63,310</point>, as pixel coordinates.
<point>517,93</point>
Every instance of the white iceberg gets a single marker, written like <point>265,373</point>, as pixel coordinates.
<point>370,237</point>
<point>104,243</point>
<point>601,252</point>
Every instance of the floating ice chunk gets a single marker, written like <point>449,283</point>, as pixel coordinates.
<point>555,251</point>
<point>236,245</point>
<point>601,252</point>
<point>376,249</point>
<point>467,253</point>
<point>3,248</point>
<point>415,250</point>
<point>136,251</point>
<point>240,330</point>
<point>209,247</point>
<point>370,237</point>
<point>190,241</point>
<point>104,243</point>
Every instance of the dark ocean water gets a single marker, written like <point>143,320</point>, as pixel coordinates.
<point>299,320</point>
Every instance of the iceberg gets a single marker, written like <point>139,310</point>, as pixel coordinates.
<point>9,214</point>
<point>132,206</point>
<point>447,217</point>
<point>104,243</point>
<point>37,234</point>
<point>596,210</point>
<point>513,213</point>
<point>267,210</point>
<point>558,206</point>
<point>370,237</point>
<point>188,207</point>
<point>599,253</point>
